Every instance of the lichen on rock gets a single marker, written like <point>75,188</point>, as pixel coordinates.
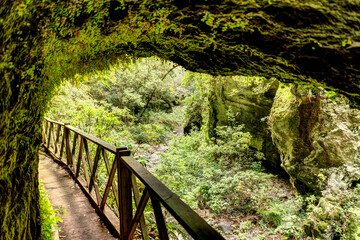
<point>316,136</point>
<point>319,142</point>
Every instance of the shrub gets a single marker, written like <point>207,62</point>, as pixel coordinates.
<point>350,222</point>
<point>150,133</point>
<point>288,216</point>
<point>169,120</point>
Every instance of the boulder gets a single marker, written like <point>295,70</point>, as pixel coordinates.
<point>224,227</point>
<point>319,143</point>
<point>318,138</point>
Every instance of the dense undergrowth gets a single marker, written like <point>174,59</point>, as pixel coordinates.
<point>227,178</point>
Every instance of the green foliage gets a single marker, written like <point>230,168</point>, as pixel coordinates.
<point>231,143</point>
<point>126,105</point>
<point>350,222</point>
<point>244,231</point>
<point>331,94</point>
<point>224,22</point>
<point>288,217</point>
<point>75,106</point>
<point>200,176</point>
<point>49,217</point>
<point>149,84</point>
<point>112,124</point>
<point>150,133</point>
<point>169,120</point>
<point>190,168</point>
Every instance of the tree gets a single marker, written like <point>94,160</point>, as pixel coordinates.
<point>43,41</point>
<point>145,84</point>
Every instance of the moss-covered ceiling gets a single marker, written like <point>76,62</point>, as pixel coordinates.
<point>295,41</point>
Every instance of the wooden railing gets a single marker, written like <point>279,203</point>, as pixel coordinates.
<point>112,179</point>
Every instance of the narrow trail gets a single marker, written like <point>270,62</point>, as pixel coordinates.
<point>80,221</point>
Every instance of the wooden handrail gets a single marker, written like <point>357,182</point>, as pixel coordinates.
<point>84,169</point>
<point>107,146</point>
<point>52,121</point>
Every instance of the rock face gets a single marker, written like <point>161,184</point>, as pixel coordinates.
<point>249,101</point>
<point>318,138</point>
<point>319,143</point>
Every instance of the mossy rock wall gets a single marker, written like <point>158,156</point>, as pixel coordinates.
<point>193,119</point>
<point>319,142</point>
<point>318,138</point>
<point>250,100</point>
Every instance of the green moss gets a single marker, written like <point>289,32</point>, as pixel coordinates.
<point>323,218</point>
<point>248,38</point>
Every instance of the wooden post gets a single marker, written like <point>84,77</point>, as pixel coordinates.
<point>160,221</point>
<point>63,141</point>
<point>125,197</point>
<point>57,138</point>
<point>68,146</point>
<point>53,136</point>
<point>80,157</point>
<point>88,161</point>
<point>44,132</point>
<point>49,135</point>
<point>94,167</point>
<point>73,149</point>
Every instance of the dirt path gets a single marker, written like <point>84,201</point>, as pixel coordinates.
<point>81,221</point>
